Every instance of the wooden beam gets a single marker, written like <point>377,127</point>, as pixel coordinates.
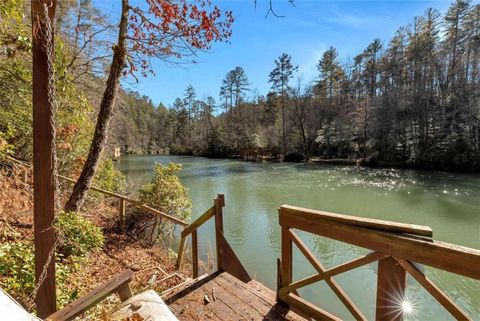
<point>121,213</point>
<point>339,292</point>
<point>308,308</point>
<point>390,290</point>
<point>134,202</point>
<point>199,221</point>
<point>355,263</point>
<point>230,261</point>
<point>435,291</point>
<point>381,225</point>
<point>195,254</point>
<point>43,160</point>
<point>219,203</point>
<point>279,279</point>
<point>286,258</point>
<point>452,258</point>
<point>117,284</point>
<point>181,249</point>
<point>341,268</point>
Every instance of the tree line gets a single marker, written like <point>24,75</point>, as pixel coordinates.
<point>413,101</point>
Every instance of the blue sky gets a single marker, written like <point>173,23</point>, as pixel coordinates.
<point>306,31</point>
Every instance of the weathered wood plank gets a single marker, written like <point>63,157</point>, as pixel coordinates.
<point>121,213</point>
<point>381,225</point>
<point>181,249</point>
<point>195,254</point>
<point>342,268</point>
<point>287,257</point>
<point>230,261</point>
<point>134,202</point>
<point>339,292</point>
<point>234,300</point>
<point>435,291</point>
<point>87,301</point>
<point>310,309</point>
<point>219,203</point>
<point>199,221</point>
<point>390,290</point>
<point>448,257</point>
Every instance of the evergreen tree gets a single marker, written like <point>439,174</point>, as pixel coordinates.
<point>279,78</point>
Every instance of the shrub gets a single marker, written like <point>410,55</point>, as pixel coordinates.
<point>17,266</point>
<point>166,193</point>
<point>17,271</point>
<point>77,235</point>
<point>108,177</point>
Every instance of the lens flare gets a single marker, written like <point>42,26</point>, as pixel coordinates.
<point>407,307</point>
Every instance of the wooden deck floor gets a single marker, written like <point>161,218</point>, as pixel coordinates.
<point>230,299</point>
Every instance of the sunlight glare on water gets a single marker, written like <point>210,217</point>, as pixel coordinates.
<point>447,202</point>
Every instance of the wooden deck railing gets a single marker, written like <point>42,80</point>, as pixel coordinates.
<point>226,258</point>
<point>124,199</point>
<point>394,245</point>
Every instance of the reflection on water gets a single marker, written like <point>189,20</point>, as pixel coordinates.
<point>447,202</point>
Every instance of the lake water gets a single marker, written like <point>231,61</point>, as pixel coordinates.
<point>447,202</point>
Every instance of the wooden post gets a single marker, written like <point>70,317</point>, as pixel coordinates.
<point>121,213</point>
<point>279,279</point>
<point>195,254</point>
<point>219,204</point>
<point>286,258</point>
<point>181,248</point>
<point>390,290</point>
<point>43,162</point>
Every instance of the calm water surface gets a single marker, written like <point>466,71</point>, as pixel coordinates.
<point>447,202</point>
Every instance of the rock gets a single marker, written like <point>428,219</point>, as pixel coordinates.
<point>147,305</point>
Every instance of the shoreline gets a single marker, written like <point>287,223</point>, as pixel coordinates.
<point>329,162</point>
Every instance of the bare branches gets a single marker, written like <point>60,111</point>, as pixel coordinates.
<point>271,10</point>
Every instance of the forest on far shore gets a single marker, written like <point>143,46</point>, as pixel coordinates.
<point>413,100</point>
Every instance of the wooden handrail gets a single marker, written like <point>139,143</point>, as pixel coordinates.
<point>122,198</point>
<point>227,260</point>
<point>118,284</point>
<point>134,202</point>
<point>374,224</point>
<point>199,221</point>
<point>452,258</point>
<point>395,246</point>
<point>192,229</point>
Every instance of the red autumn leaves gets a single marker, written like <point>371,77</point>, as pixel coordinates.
<point>172,29</point>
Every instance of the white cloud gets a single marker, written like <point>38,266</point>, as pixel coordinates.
<point>307,69</point>
<point>355,20</point>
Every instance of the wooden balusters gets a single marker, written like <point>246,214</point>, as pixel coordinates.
<point>394,245</point>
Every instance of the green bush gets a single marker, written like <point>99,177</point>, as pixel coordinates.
<point>166,193</point>
<point>17,266</point>
<point>108,177</point>
<point>17,271</point>
<point>77,235</point>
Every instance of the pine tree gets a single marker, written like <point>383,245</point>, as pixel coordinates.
<point>280,78</point>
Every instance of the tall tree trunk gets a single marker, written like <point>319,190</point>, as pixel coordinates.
<point>84,182</point>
